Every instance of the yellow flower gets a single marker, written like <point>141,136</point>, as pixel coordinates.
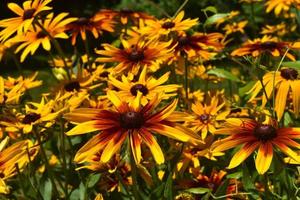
<point>158,28</point>
<point>284,82</point>
<point>148,86</point>
<point>131,121</point>
<point>280,5</point>
<point>34,37</point>
<point>279,29</point>
<point>208,116</point>
<point>132,57</point>
<point>266,44</point>
<point>26,16</point>
<point>252,135</point>
<point>235,27</point>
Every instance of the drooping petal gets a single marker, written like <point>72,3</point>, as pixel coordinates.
<point>280,100</point>
<point>135,143</point>
<point>242,154</point>
<point>264,157</point>
<point>155,149</point>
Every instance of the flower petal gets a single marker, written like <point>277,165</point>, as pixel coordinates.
<point>264,157</point>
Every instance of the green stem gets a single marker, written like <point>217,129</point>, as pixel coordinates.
<point>180,8</point>
<point>133,175</point>
<point>63,150</point>
<point>44,156</point>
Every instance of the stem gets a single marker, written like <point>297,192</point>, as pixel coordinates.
<point>133,175</point>
<point>44,156</point>
<point>180,8</point>
<point>63,150</point>
<point>186,84</point>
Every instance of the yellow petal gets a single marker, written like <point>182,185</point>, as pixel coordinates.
<point>83,128</point>
<point>264,157</point>
<point>242,154</point>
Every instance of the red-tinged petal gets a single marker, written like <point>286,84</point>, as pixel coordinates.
<point>230,142</point>
<point>135,143</point>
<point>242,154</point>
<point>163,113</point>
<point>154,147</point>
<point>83,128</point>
<point>280,100</point>
<point>93,146</point>
<point>175,131</point>
<point>113,146</point>
<point>82,115</point>
<point>264,157</point>
<point>289,132</point>
<point>285,149</point>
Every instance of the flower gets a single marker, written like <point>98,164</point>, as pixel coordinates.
<point>280,5</point>
<point>284,81</point>
<point>36,113</point>
<point>208,116</point>
<point>148,86</point>
<point>127,120</point>
<point>132,57</point>
<point>95,24</point>
<point>26,15</point>
<point>279,29</point>
<point>252,135</point>
<point>266,44</point>
<point>158,28</point>
<point>235,27</point>
<point>35,37</point>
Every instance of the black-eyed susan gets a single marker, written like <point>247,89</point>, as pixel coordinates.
<point>278,30</point>
<point>132,57</point>
<point>25,18</point>
<point>235,27</point>
<point>125,15</point>
<point>253,135</point>
<point>26,82</point>
<point>131,121</point>
<point>33,38</point>
<point>285,81</point>
<point>147,85</point>
<point>18,154</point>
<point>207,117</point>
<point>266,44</point>
<point>10,96</point>
<point>158,28</point>
<point>95,24</point>
<point>36,113</point>
<point>198,45</point>
<point>280,6</point>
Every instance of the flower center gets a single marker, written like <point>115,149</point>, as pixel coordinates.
<point>136,56</point>
<point>168,25</point>
<point>126,11</point>
<point>131,120</point>
<point>71,86</point>
<point>182,41</point>
<point>268,45</point>
<point>41,34</point>
<point>82,21</point>
<point>28,14</point>
<point>138,87</point>
<point>204,118</point>
<point>265,132</point>
<point>289,73</point>
<point>30,118</point>
<point>104,74</point>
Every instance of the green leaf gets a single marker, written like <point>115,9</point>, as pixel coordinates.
<point>214,18</point>
<point>235,175</point>
<point>247,179</point>
<point>222,73</point>
<point>82,191</point>
<point>287,119</point>
<point>210,9</point>
<point>198,190</point>
<point>93,179</point>
<point>294,64</point>
<point>246,88</point>
<point>168,193</point>
<point>75,195</point>
<point>47,190</point>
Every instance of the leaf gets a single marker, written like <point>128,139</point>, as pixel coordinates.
<point>222,73</point>
<point>287,119</point>
<point>246,88</point>
<point>247,179</point>
<point>198,190</point>
<point>294,64</point>
<point>47,190</point>
<point>214,18</point>
<point>168,193</point>
<point>235,175</point>
<point>75,195</point>
<point>210,9</point>
<point>82,191</point>
<point>93,179</point>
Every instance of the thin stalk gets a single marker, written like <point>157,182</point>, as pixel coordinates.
<point>159,8</point>
<point>23,191</point>
<point>180,8</point>
<point>133,175</point>
<point>87,51</point>
<point>44,156</point>
<point>63,150</point>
